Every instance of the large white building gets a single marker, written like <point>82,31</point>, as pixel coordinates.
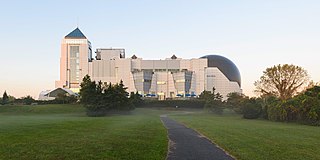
<point>168,78</point>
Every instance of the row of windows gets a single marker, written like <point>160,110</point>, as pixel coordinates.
<point>142,80</point>
<point>163,82</point>
<point>182,80</point>
<point>159,70</point>
<point>74,64</point>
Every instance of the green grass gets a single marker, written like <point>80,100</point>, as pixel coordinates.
<point>257,139</point>
<point>64,132</point>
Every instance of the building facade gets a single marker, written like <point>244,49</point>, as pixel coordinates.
<point>168,78</point>
<point>76,53</point>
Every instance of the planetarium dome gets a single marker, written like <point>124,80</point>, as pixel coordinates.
<point>226,66</point>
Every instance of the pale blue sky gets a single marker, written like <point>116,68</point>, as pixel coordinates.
<point>254,34</point>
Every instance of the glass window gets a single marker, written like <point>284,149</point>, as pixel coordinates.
<point>74,64</point>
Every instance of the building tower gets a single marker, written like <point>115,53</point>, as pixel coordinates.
<point>76,53</point>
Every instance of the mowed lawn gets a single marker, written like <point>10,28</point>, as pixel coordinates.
<point>64,132</point>
<point>257,139</point>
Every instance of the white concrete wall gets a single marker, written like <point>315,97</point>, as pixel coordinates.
<point>84,45</point>
<point>215,78</point>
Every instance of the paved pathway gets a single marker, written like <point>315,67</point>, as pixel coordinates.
<point>187,144</point>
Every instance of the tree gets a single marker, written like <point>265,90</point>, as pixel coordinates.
<point>28,100</point>
<point>213,101</point>
<point>208,95</point>
<point>5,98</point>
<point>136,99</point>
<point>99,99</point>
<point>65,98</point>
<point>283,81</point>
<point>252,108</point>
<point>122,101</point>
<point>235,101</point>
<point>88,91</point>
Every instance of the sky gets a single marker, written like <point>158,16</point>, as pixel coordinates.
<point>254,34</point>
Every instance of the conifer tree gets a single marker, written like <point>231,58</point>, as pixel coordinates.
<point>5,98</point>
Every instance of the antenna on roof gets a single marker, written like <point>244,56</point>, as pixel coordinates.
<point>77,22</point>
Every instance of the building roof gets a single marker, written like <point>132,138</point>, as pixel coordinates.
<point>227,67</point>
<point>174,57</point>
<point>134,57</point>
<point>76,34</point>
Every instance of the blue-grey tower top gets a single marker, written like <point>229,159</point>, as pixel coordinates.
<point>226,66</point>
<point>76,34</point>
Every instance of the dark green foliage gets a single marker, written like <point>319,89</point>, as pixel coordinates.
<point>235,101</point>
<point>5,98</point>
<point>88,91</point>
<point>304,108</point>
<point>266,102</point>
<point>206,95</point>
<point>252,108</point>
<point>193,103</point>
<point>214,106</point>
<point>100,100</point>
<point>28,100</point>
<point>213,101</point>
<point>66,99</point>
<point>136,99</point>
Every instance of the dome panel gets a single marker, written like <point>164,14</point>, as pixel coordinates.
<point>226,66</point>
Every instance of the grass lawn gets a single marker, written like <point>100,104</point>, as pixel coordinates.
<point>257,139</point>
<point>64,132</point>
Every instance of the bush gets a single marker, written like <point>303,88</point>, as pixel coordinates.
<point>303,108</point>
<point>236,101</point>
<point>192,103</point>
<point>214,106</point>
<point>252,109</point>
<point>136,99</point>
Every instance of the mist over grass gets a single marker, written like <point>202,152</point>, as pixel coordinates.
<point>65,132</point>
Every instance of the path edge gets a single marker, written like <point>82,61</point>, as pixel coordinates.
<point>167,130</point>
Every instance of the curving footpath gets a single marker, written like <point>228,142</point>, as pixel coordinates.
<point>187,144</point>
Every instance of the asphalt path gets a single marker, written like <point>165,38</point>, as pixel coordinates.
<point>187,144</point>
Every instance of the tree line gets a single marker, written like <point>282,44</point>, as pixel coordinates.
<point>11,100</point>
<point>28,100</point>
<point>286,95</point>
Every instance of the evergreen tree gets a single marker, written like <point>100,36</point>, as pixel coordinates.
<point>135,98</point>
<point>5,98</point>
<point>100,99</point>
<point>88,92</point>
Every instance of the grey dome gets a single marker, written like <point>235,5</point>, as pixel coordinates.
<point>227,67</point>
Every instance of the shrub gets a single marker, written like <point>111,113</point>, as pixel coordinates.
<point>214,106</point>
<point>189,103</point>
<point>252,109</point>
